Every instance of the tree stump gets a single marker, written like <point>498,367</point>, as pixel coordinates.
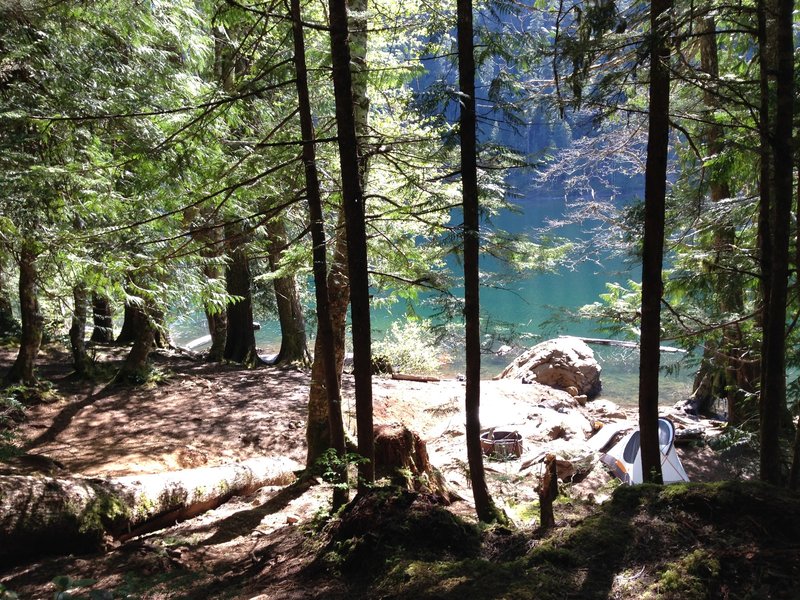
<point>402,456</point>
<point>548,492</point>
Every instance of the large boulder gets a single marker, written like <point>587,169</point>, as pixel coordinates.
<point>565,363</point>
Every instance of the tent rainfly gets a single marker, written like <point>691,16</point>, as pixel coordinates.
<point>625,457</point>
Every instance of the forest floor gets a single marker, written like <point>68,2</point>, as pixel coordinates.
<point>275,543</point>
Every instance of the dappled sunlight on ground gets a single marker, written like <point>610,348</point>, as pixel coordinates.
<point>205,414</point>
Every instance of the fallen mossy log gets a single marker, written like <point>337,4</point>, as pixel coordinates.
<point>45,515</point>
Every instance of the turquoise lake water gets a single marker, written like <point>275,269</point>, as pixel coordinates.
<point>535,306</point>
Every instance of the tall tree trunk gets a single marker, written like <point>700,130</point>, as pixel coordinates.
<point>216,316</point>
<point>103,319</point>
<point>240,345</point>
<point>294,345</point>
<point>209,233</point>
<point>325,335</point>
<point>775,28</point>
<point>8,324</point>
<point>359,26</point>
<point>353,200</point>
<point>317,431</point>
<point>22,371</point>
<point>132,323</point>
<point>161,333</point>
<point>484,505</point>
<point>723,372</point>
<point>653,244</point>
<point>218,330</point>
<point>794,473</point>
<point>136,369</point>
<point>77,330</point>
<point>338,278</point>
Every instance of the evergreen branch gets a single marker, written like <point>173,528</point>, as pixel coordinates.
<point>705,327</point>
<point>212,104</point>
<point>423,282</point>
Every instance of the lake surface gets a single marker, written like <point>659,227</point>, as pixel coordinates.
<point>535,306</point>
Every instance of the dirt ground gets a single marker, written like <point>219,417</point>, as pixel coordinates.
<point>204,414</point>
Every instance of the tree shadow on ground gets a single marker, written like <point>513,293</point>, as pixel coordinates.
<point>244,522</point>
<point>64,419</point>
<point>577,562</point>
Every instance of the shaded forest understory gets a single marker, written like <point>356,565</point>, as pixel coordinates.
<point>730,539</point>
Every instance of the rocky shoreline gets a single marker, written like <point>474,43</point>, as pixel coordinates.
<point>570,423</point>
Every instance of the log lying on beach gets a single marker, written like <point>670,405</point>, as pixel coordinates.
<point>410,377</point>
<point>622,343</point>
<point>46,515</point>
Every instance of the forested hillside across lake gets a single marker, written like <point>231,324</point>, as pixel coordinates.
<point>372,209</point>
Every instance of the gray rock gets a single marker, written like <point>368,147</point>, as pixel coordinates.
<point>561,363</point>
<point>560,403</point>
<point>606,408</point>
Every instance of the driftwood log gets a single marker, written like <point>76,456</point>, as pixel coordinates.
<point>47,515</point>
<point>410,377</point>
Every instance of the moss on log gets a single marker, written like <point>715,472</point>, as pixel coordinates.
<point>46,515</point>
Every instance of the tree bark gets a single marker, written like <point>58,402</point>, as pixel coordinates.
<point>216,316</point>
<point>353,201</point>
<point>723,372</point>
<point>402,456</point>
<point>294,345</point>
<point>794,473</point>
<point>359,26</point>
<point>136,369</point>
<point>8,324</point>
<point>338,278</point>
<point>44,515</point>
<point>318,430</point>
<point>134,320</point>
<point>23,369</point>
<point>77,330</point>
<point>775,27</point>
<point>218,330</point>
<point>484,505</point>
<point>548,492</point>
<point>653,244</point>
<point>325,343</point>
<point>240,345</point>
<point>132,323</point>
<point>103,318</point>
<point>210,235</point>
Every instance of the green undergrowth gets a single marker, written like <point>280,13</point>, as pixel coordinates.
<point>688,541</point>
<point>14,403</point>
